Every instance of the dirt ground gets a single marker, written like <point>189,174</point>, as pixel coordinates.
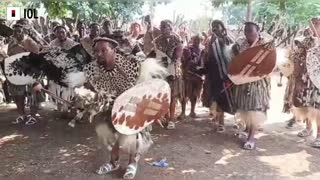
<point>51,150</point>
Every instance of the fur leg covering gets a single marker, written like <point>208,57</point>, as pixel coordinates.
<point>252,118</point>
<point>216,113</point>
<point>106,135</point>
<point>301,113</point>
<point>314,115</point>
<point>135,144</point>
<point>213,110</point>
<point>132,144</point>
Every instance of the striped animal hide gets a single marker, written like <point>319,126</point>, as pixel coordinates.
<point>88,102</point>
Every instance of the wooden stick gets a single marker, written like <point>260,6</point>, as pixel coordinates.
<point>76,24</point>
<point>315,30</point>
<point>288,37</point>
<point>55,96</point>
<point>254,43</point>
<point>194,74</point>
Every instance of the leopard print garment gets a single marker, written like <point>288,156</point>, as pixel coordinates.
<point>304,93</point>
<point>113,83</point>
<point>116,81</point>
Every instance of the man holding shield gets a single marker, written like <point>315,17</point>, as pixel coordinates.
<point>251,99</point>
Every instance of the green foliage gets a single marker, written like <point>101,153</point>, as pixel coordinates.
<point>219,3</point>
<point>235,14</point>
<point>294,12</point>
<point>124,10</point>
<point>90,10</point>
<point>56,9</point>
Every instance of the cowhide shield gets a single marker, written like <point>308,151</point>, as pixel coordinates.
<point>5,31</point>
<point>252,65</point>
<point>140,106</point>
<point>15,75</point>
<point>313,65</point>
<point>64,67</point>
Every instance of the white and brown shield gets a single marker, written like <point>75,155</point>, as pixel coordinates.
<point>252,65</point>
<point>313,65</point>
<point>140,106</point>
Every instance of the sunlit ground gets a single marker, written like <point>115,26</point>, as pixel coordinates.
<point>53,150</point>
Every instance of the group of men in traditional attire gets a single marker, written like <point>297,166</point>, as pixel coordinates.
<point>115,68</point>
<point>302,96</point>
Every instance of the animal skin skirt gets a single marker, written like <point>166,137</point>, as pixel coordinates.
<point>34,98</point>
<point>133,144</point>
<point>192,88</point>
<point>177,87</point>
<point>252,96</point>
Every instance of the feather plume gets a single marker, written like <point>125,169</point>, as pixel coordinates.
<point>151,68</point>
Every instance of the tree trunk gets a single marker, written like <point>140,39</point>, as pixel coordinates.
<point>249,11</point>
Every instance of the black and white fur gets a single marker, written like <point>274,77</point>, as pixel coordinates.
<point>60,66</point>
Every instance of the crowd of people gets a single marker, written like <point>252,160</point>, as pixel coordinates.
<point>196,70</point>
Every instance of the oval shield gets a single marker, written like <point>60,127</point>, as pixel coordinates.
<point>140,106</point>
<point>313,65</point>
<point>252,65</point>
<point>13,69</point>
